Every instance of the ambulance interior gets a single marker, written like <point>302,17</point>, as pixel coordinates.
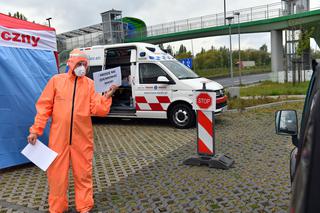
<point>122,101</point>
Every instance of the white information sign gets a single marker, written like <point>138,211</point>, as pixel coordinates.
<point>39,154</point>
<point>104,79</point>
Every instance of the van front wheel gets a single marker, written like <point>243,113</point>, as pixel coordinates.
<point>182,116</point>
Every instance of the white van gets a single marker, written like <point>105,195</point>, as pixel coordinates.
<point>155,85</point>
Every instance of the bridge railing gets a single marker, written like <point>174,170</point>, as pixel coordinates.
<point>246,15</point>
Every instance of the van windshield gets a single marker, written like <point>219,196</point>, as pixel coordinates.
<point>180,70</point>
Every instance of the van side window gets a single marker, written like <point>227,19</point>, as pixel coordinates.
<point>149,73</point>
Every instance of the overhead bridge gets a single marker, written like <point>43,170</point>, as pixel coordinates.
<point>309,18</point>
<point>251,20</point>
<point>268,18</point>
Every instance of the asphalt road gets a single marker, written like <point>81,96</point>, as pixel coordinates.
<point>247,79</point>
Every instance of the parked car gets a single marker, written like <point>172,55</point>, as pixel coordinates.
<point>305,157</point>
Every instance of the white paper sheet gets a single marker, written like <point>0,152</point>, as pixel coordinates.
<point>39,154</point>
<point>105,78</point>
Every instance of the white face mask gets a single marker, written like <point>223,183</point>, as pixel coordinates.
<point>80,71</point>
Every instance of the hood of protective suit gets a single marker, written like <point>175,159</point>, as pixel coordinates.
<point>76,56</point>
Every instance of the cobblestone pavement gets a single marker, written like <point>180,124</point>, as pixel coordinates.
<point>138,168</point>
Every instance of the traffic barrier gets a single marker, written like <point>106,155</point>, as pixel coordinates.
<point>205,130</point>
<point>205,104</point>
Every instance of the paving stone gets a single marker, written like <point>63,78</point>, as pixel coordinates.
<point>138,168</point>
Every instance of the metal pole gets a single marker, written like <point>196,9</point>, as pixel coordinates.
<point>194,65</point>
<point>217,21</point>
<point>287,57</point>
<point>239,49</point>
<point>231,63</point>
<point>225,12</point>
<point>48,19</point>
<point>192,48</point>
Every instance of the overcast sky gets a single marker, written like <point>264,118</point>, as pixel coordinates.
<point>73,14</point>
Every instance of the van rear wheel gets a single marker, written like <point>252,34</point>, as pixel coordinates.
<point>182,116</point>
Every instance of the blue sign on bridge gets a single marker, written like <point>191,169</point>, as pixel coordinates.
<point>187,62</point>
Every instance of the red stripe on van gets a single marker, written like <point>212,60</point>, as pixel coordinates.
<point>141,99</point>
<point>222,99</point>
<point>156,107</point>
<point>163,99</point>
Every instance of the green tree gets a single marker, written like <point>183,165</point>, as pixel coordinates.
<point>264,48</point>
<point>219,58</point>
<point>304,40</point>
<point>182,49</point>
<point>18,15</point>
<point>161,46</point>
<point>169,49</point>
<point>184,55</point>
<point>315,54</point>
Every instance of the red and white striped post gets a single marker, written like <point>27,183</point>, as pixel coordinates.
<point>205,133</point>
<point>204,103</point>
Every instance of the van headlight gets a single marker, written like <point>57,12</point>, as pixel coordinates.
<point>220,93</point>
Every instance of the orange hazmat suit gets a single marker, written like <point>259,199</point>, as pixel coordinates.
<point>70,101</point>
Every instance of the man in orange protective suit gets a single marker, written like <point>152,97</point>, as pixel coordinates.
<point>70,100</point>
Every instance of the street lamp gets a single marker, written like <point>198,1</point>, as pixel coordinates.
<point>48,19</point>
<point>230,18</point>
<point>238,14</point>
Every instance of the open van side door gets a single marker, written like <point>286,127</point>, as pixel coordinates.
<point>124,58</point>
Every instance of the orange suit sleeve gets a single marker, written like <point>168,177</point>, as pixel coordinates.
<point>44,108</point>
<point>99,105</point>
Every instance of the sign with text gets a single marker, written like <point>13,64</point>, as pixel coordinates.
<point>31,39</point>
<point>105,78</point>
<point>187,62</point>
<point>205,101</point>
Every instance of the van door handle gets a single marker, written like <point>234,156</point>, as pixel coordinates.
<point>133,81</point>
<point>174,90</point>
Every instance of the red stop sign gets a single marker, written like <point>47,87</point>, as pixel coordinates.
<point>204,100</point>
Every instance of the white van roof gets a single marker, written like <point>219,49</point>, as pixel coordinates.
<point>137,44</point>
<point>145,51</point>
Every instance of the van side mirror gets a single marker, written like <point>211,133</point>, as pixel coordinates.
<point>163,80</point>
<point>286,122</point>
<point>133,56</point>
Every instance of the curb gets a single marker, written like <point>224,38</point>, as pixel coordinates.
<point>265,105</point>
<point>274,97</point>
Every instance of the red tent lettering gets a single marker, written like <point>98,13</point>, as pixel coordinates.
<point>20,38</point>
